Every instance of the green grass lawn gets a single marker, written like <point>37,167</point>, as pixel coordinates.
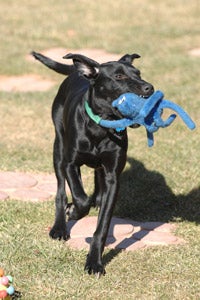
<point>158,184</point>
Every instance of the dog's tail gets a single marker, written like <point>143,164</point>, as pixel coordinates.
<point>54,65</point>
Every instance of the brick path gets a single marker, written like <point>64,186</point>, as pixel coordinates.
<point>123,233</point>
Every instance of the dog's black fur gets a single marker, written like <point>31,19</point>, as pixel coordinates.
<point>79,140</point>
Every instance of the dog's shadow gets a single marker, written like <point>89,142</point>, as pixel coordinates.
<point>145,196</point>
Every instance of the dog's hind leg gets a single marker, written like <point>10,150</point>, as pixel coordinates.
<point>59,230</point>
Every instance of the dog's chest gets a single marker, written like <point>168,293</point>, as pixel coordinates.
<point>93,154</point>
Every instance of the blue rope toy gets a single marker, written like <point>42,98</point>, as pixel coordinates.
<point>146,112</point>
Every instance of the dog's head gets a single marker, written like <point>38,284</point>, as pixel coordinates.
<point>109,80</point>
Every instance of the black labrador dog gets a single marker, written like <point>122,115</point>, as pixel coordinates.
<point>80,140</point>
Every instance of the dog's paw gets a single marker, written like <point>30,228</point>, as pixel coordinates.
<point>58,233</point>
<point>74,214</point>
<point>92,267</point>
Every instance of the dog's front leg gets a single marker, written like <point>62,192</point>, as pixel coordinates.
<point>81,202</point>
<point>94,259</point>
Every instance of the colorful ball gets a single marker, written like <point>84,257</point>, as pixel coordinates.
<point>3,294</point>
<point>4,280</point>
<point>10,290</point>
<point>1,272</point>
<point>9,278</point>
<point>2,287</point>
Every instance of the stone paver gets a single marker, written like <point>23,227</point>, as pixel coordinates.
<point>3,195</point>
<point>24,83</point>
<point>26,187</point>
<point>16,180</point>
<point>33,82</point>
<point>57,54</point>
<point>30,194</point>
<point>123,233</point>
<point>163,227</point>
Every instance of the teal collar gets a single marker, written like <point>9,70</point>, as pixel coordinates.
<point>90,113</point>
<point>98,119</point>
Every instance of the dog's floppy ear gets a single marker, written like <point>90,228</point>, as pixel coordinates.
<point>129,58</point>
<point>86,66</point>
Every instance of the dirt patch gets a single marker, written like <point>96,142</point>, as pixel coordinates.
<point>31,82</point>
<point>57,54</point>
<point>25,83</point>
<point>195,52</point>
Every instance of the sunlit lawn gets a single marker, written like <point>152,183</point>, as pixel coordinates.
<point>158,184</point>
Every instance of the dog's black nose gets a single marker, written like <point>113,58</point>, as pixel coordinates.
<point>147,88</point>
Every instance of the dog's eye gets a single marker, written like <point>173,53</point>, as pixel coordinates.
<point>120,76</point>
